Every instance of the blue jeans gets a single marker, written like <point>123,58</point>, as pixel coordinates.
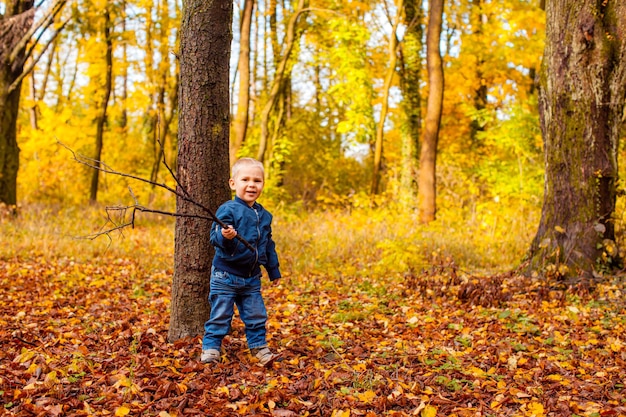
<point>228,290</point>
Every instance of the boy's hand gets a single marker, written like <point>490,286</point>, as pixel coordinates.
<point>229,233</point>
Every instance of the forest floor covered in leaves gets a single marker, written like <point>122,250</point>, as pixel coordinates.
<point>80,339</point>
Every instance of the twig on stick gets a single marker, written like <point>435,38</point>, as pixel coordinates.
<point>183,194</point>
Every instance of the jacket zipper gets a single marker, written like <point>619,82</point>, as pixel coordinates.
<point>256,250</point>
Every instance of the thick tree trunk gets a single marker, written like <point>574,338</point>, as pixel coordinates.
<point>410,77</point>
<point>15,23</point>
<point>9,151</point>
<point>203,164</point>
<point>581,101</point>
<point>428,157</point>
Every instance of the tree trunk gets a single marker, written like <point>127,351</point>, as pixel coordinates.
<point>428,157</point>
<point>410,77</point>
<point>18,34</point>
<point>290,39</point>
<point>102,116</point>
<point>240,123</point>
<point>380,128</point>
<point>32,110</point>
<point>203,163</point>
<point>480,93</point>
<point>15,23</point>
<point>9,151</point>
<point>582,89</point>
<point>123,121</point>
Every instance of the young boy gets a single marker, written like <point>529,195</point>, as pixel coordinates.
<point>236,272</point>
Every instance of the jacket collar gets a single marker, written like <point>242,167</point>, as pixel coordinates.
<point>255,205</point>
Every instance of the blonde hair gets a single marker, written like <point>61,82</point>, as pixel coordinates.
<point>248,162</point>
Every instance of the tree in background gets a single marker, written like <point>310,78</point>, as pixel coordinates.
<point>278,89</point>
<point>18,37</point>
<point>427,184</point>
<point>163,76</point>
<point>481,46</point>
<point>203,155</point>
<point>321,128</point>
<point>240,122</point>
<point>101,118</point>
<point>389,76</point>
<point>582,93</point>
<point>410,77</point>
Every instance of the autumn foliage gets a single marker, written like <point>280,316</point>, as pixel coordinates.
<point>377,314</point>
<point>83,332</point>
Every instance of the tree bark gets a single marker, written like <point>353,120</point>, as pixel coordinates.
<point>380,128</point>
<point>203,164</point>
<point>14,24</point>
<point>480,93</point>
<point>410,77</point>
<point>102,115</point>
<point>582,89</point>
<point>240,124</point>
<point>18,32</point>
<point>427,183</point>
<point>32,110</point>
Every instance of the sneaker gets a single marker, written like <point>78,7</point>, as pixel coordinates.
<point>210,355</point>
<point>264,355</point>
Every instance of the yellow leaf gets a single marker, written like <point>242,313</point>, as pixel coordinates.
<point>123,382</point>
<point>497,401</point>
<point>429,411</point>
<point>615,344</point>
<point>51,379</point>
<point>24,356</point>
<point>475,371</point>
<point>367,396</point>
<point>559,229</point>
<point>122,411</point>
<point>535,409</point>
<point>554,377</point>
<point>360,367</point>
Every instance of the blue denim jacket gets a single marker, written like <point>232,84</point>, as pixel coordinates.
<point>254,224</point>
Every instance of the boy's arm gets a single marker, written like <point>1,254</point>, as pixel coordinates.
<point>217,239</point>
<point>272,267</point>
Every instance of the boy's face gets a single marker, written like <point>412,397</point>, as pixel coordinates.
<point>248,184</point>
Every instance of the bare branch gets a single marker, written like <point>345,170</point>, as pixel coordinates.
<point>123,222</point>
<point>101,166</point>
<point>170,169</point>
